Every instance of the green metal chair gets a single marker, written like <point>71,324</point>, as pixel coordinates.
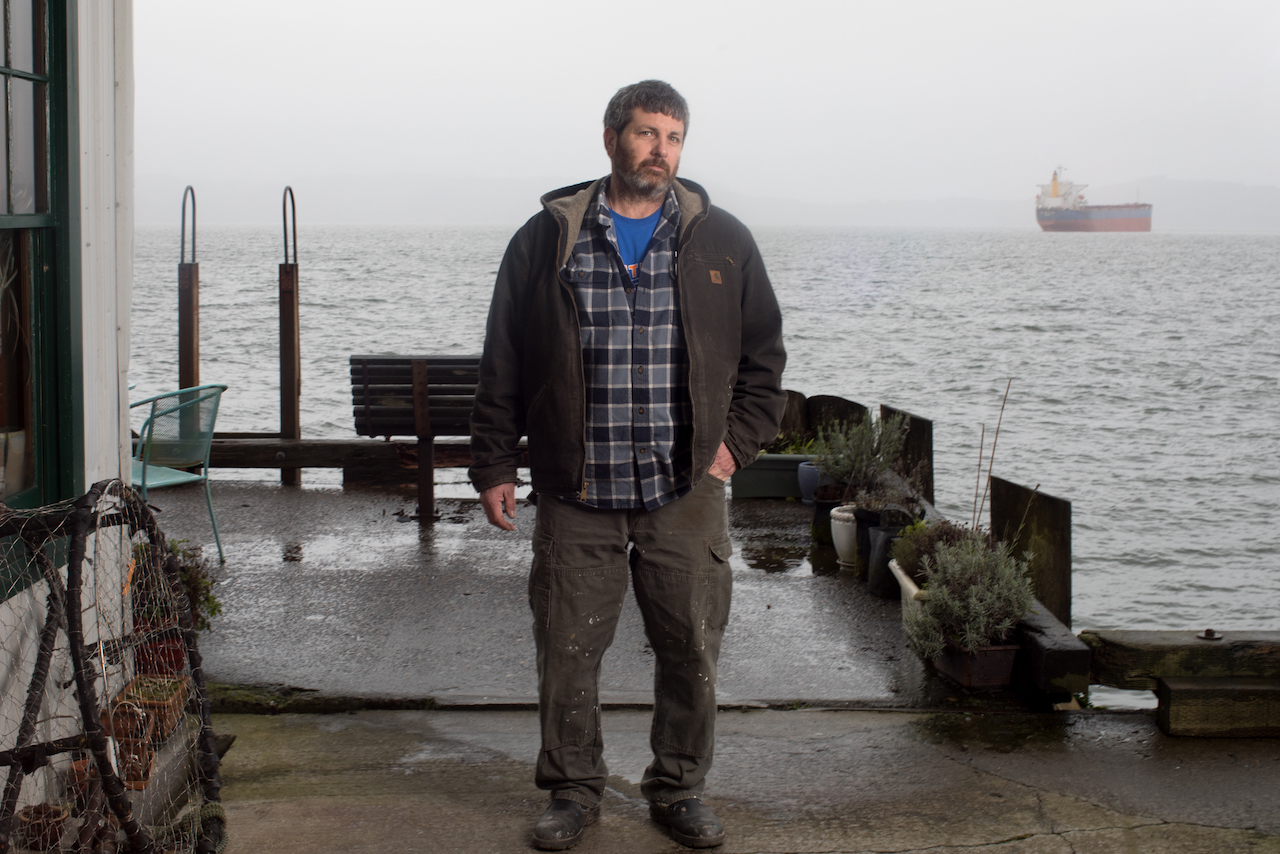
<point>177,435</point>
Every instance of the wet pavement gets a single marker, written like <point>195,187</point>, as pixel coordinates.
<point>340,593</point>
<point>784,781</point>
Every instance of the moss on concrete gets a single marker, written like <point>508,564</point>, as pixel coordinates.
<point>279,699</point>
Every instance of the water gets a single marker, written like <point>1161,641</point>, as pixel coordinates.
<point>1145,370</point>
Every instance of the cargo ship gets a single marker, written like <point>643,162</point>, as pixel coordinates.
<point>1060,206</point>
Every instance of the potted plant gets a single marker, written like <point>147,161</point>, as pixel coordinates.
<point>855,458</point>
<point>41,825</point>
<point>774,472</point>
<point>919,540</point>
<point>977,592</point>
<point>155,608</point>
<point>160,697</point>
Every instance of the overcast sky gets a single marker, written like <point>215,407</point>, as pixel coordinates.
<point>830,101</point>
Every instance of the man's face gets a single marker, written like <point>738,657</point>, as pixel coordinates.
<point>646,154</point>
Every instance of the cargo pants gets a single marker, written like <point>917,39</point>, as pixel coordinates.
<point>678,560</point>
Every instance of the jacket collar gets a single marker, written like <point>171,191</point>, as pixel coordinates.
<point>569,205</point>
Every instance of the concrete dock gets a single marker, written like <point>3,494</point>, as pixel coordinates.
<point>784,781</point>
<point>835,739</point>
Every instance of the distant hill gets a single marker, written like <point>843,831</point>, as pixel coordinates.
<point>1179,205</point>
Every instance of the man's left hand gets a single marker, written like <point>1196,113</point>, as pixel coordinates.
<point>724,465</point>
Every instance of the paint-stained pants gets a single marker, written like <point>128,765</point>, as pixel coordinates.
<point>678,562</point>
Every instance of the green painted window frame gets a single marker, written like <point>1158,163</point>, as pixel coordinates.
<point>57,442</point>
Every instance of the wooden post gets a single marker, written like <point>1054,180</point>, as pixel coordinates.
<point>917,452</point>
<point>290,366</point>
<point>426,444</point>
<point>1032,521</point>
<point>825,411</point>
<point>188,302</point>
<point>290,342</point>
<point>188,325</point>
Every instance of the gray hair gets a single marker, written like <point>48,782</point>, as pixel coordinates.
<point>652,96</point>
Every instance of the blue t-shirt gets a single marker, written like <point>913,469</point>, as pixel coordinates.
<point>633,238</point>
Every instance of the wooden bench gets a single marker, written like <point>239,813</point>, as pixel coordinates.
<point>420,396</point>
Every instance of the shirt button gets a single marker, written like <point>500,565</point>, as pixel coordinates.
<point>642,450</point>
<point>641,410</point>
<point>640,370</point>
<point>581,273</point>
<point>641,330</point>
<point>628,290</point>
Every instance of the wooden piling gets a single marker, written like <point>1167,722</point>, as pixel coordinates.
<point>188,302</point>
<point>290,343</point>
<point>1032,521</point>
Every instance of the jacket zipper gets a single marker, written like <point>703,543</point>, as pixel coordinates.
<point>693,415</point>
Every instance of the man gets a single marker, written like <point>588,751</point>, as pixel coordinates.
<point>635,339</point>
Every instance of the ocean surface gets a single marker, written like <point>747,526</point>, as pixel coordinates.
<point>1145,368</point>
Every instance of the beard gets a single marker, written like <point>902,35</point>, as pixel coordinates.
<point>639,181</point>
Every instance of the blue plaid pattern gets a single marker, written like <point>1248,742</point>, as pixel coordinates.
<point>639,417</point>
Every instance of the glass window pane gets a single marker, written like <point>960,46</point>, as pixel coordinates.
<point>21,35</point>
<point>22,100</point>
<point>17,469</point>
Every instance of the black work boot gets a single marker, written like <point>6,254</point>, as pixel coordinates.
<point>690,822</point>
<point>562,824</point>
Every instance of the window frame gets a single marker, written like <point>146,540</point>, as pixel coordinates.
<point>57,441</point>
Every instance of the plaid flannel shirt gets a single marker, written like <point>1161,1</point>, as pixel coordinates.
<point>639,416</point>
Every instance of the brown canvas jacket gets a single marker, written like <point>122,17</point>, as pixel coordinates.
<point>531,376</point>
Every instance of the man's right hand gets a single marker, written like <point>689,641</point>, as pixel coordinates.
<point>499,504</point>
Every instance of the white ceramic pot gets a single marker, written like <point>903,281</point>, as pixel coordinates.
<point>844,534</point>
<point>912,595</point>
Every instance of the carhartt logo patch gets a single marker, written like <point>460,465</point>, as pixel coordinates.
<point>715,277</point>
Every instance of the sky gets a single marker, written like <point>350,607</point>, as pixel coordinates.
<point>832,102</point>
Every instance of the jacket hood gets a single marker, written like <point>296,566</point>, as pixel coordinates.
<point>569,205</point>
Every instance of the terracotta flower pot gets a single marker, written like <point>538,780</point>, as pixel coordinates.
<point>164,656</point>
<point>42,825</point>
<point>162,697</point>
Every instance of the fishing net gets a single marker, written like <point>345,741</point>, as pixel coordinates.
<point>105,739</point>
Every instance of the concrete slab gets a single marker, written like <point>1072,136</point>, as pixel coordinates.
<point>802,781</point>
<point>341,593</point>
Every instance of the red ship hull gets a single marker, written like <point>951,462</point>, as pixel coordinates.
<point>1096,218</point>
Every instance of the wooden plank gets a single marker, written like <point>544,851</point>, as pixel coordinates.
<point>1041,524</point>
<point>396,374</point>
<point>445,425</point>
<point>917,452</point>
<point>1219,708</point>
<point>1138,659</point>
<point>303,453</point>
<point>434,359</point>
<point>1050,658</point>
<point>795,418</point>
<point>333,453</point>
<point>825,410</point>
<point>395,407</point>
<point>405,389</point>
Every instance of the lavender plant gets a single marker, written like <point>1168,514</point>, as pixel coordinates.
<point>978,591</point>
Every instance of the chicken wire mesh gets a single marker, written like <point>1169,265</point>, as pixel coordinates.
<point>105,739</point>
